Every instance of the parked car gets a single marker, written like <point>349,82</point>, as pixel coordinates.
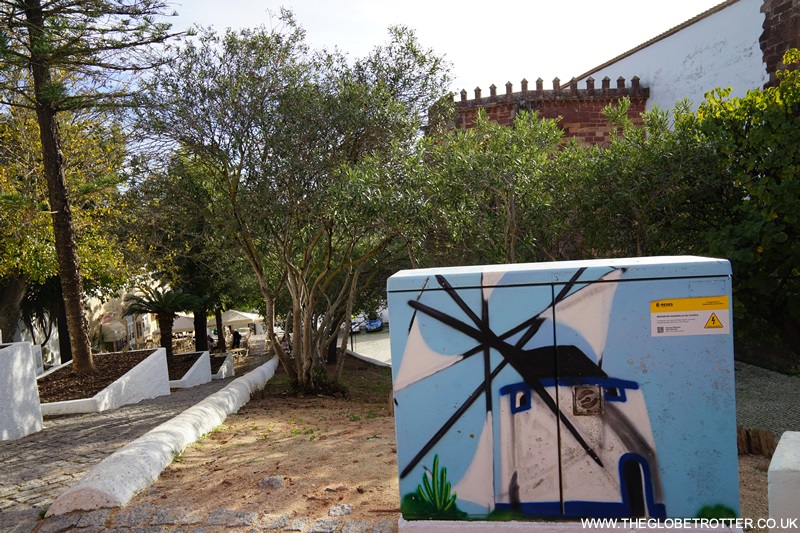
<point>373,325</point>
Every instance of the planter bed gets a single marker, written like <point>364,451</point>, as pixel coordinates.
<point>222,366</point>
<point>21,413</point>
<point>147,379</point>
<point>199,373</point>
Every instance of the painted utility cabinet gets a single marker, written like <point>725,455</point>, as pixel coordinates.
<point>599,388</point>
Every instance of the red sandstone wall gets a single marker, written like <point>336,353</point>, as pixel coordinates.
<point>781,32</point>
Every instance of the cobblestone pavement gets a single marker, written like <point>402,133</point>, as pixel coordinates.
<point>37,468</point>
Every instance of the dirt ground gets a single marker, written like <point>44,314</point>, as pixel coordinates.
<point>327,451</point>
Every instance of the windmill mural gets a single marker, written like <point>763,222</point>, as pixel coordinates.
<point>500,385</point>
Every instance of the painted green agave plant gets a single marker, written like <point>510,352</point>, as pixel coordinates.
<point>433,498</point>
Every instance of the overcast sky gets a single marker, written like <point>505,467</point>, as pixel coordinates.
<point>486,42</point>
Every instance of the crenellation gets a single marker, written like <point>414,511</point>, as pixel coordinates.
<point>569,91</point>
<point>573,86</point>
<point>577,110</point>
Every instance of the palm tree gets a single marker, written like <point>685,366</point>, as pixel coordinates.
<point>164,304</point>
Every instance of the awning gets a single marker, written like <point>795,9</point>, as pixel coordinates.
<point>232,317</point>
<point>183,323</point>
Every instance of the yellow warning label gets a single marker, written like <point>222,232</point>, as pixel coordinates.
<point>690,316</point>
<point>678,305</point>
<point>713,322</point>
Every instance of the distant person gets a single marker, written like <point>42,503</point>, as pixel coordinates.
<point>210,342</point>
<point>237,339</point>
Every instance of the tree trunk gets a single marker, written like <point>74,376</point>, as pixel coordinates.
<point>66,248</point>
<point>200,327</point>
<point>12,291</point>
<point>64,348</point>
<point>220,331</point>
<point>348,313</point>
<point>333,349</point>
<point>165,325</point>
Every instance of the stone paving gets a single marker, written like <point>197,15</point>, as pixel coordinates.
<point>39,467</point>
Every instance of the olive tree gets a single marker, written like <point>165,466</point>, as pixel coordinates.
<point>279,138</point>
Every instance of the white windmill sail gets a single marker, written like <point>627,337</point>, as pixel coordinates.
<point>587,311</point>
<point>419,360</point>
<point>477,484</point>
<point>489,281</point>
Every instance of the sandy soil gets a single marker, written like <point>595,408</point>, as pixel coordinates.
<point>325,451</point>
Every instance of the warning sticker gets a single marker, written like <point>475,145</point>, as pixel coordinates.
<point>708,315</point>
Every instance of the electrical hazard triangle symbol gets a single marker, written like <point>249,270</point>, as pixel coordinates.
<point>713,322</point>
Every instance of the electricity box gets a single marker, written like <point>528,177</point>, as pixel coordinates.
<point>599,388</point>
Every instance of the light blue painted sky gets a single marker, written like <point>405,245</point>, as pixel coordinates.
<point>487,42</point>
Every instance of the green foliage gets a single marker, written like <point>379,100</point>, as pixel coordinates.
<point>646,193</point>
<point>756,138</point>
<point>158,301</point>
<point>716,511</point>
<point>487,194</point>
<point>94,150</point>
<point>181,247</point>
<point>165,304</point>
<point>101,43</point>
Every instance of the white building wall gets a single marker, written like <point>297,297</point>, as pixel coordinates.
<point>720,50</point>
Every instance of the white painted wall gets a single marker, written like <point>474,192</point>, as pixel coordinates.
<point>721,50</point>
<point>21,413</point>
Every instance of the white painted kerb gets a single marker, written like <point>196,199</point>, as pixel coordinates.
<point>118,477</point>
<point>784,480</point>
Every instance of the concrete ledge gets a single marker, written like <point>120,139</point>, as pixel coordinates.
<point>134,467</point>
<point>437,526</point>
<point>226,370</point>
<point>197,375</point>
<point>148,379</point>
<point>368,359</point>
<point>21,412</point>
<point>783,482</point>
